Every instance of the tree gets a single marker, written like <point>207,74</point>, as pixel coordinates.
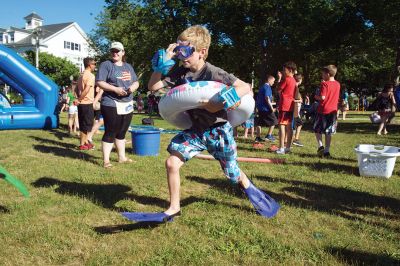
<point>313,33</point>
<point>57,69</point>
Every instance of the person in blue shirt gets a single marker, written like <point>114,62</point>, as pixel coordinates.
<point>397,96</point>
<point>266,116</point>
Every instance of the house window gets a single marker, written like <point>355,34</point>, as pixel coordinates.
<point>72,46</point>
<point>67,45</point>
<point>11,37</point>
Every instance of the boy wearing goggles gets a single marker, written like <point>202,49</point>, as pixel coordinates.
<point>211,130</point>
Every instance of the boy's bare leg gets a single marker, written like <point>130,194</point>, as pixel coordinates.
<point>235,132</point>
<point>319,139</point>
<point>270,130</point>
<point>297,135</point>
<point>246,131</point>
<point>289,133</point>
<point>71,124</point>
<point>328,139</point>
<point>282,136</point>
<point>252,132</point>
<point>96,126</point>
<point>258,131</point>
<point>83,138</point>
<point>173,164</point>
<point>244,180</point>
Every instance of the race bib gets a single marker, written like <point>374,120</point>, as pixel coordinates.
<point>124,108</point>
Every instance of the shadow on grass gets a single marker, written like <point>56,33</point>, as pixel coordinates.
<point>61,132</point>
<point>4,209</point>
<point>323,166</point>
<point>363,127</point>
<point>55,143</point>
<point>107,195</point>
<point>339,201</point>
<point>333,158</point>
<point>66,152</point>
<point>114,229</point>
<point>357,257</point>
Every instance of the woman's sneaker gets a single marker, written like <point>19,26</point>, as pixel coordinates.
<point>270,138</point>
<point>281,151</point>
<point>298,143</point>
<point>83,147</point>
<point>258,139</point>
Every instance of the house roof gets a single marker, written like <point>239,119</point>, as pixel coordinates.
<point>2,30</point>
<point>18,29</point>
<point>47,31</point>
<point>33,15</point>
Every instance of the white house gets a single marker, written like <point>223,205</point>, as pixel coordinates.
<point>65,40</point>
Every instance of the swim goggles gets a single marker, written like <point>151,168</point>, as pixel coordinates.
<point>183,52</point>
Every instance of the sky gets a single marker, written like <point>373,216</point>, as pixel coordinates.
<point>83,12</point>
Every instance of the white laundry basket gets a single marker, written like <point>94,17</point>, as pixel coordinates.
<point>376,160</point>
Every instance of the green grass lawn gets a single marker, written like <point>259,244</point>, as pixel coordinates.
<point>329,214</point>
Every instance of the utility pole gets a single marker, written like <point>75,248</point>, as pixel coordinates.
<point>36,40</point>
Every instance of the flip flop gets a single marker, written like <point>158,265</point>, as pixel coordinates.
<point>107,165</point>
<point>159,217</point>
<point>128,160</point>
<point>262,202</point>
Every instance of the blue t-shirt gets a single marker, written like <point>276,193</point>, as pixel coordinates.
<point>346,97</point>
<point>261,102</point>
<point>119,76</point>
<point>397,96</point>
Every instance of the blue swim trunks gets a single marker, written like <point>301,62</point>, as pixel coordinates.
<point>218,141</point>
<point>249,123</point>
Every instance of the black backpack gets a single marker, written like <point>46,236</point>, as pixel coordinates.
<point>148,121</point>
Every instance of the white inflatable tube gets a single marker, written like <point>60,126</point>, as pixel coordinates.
<point>177,101</point>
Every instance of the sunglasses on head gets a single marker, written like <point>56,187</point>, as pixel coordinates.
<point>184,52</point>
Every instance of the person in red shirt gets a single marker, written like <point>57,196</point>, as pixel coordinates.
<point>287,90</point>
<point>325,120</point>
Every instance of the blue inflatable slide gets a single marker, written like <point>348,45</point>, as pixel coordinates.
<point>40,95</point>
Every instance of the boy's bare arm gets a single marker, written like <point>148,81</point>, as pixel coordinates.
<point>319,98</point>
<point>268,100</point>
<point>242,88</point>
<point>155,82</point>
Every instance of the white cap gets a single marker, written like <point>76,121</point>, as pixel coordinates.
<point>117,45</point>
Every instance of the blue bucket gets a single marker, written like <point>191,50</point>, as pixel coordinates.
<point>146,142</point>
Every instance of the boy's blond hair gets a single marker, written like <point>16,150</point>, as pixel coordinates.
<point>198,36</point>
<point>330,69</point>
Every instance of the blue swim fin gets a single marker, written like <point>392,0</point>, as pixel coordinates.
<point>158,217</point>
<point>262,202</point>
